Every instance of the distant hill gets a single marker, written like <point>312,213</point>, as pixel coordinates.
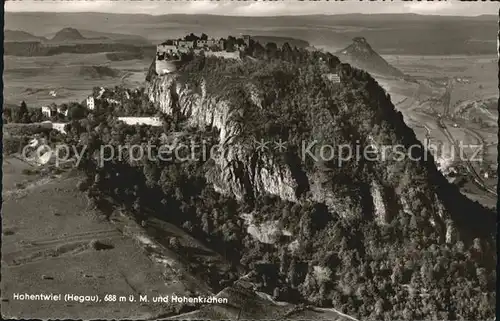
<point>67,34</point>
<point>361,55</point>
<point>115,37</point>
<point>75,36</point>
<point>430,34</point>
<point>36,48</point>
<point>19,35</point>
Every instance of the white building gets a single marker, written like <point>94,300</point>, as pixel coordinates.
<point>90,102</point>
<point>334,78</point>
<point>46,111</point>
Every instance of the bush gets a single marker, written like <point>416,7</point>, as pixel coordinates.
<point>12,145</point>
<point>28,171</point>
<point>82,185</point>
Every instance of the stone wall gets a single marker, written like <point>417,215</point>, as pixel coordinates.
<point>165,67</point>
<point>150,121</point>
<point>224,54</point>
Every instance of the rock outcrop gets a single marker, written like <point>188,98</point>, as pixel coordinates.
<point>243,171</point>
<point>239,170</point>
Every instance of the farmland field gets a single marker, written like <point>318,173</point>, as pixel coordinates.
<point>33,78</point>
<point>75,251</point>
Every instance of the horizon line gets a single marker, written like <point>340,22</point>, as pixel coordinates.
<point>256,16</point>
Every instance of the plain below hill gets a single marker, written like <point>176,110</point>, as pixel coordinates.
<point>74,248</point>
<point>115,37</point>
<point>361,55</point>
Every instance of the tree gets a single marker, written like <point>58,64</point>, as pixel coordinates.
<point>191,37</point>
<point>203,37</point>
<point>205,223</point>
<point>174,243</point>
<point>36,116</point>
<point>271,50</point>
<point>286,52</point>
<point>276,293</point>
<point>188,226</point>
<point>230,44</point>
<point>76,112</point>
<point>258,51</point>
<point>283,260</point>
<point>292,273</point>
<point>22,115</point>
<point>137,205</point>
<point>151,174</point>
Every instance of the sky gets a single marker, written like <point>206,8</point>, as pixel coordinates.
<point>256,8</point>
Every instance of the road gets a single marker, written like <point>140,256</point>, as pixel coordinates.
<point>445,100</point>
<point>470,168</point>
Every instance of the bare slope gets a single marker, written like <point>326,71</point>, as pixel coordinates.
<point>67,34</point>
<point>361,55</point>
<point>54,243</point>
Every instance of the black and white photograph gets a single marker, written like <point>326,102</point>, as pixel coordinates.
<point>250,160</point>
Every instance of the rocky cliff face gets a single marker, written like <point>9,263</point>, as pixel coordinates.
<point>239,170</point>
<point>242,171</point>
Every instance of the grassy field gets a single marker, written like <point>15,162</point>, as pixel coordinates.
<point>33,78</point>
<point>244,303</point>
<point>53,243</point>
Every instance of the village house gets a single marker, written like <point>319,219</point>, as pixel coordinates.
<point>90,102</point>
<point>47,111</point>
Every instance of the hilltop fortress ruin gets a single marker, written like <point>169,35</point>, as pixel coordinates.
<point>171,54</point>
